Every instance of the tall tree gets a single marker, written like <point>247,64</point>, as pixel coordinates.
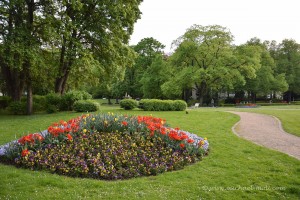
<point>94,30</point>
<point>154,77</point>
<point>205,60</point>
<point>266,80</point>
<point>287,58</point>
<point>22,23</point>
<point>146,50</point>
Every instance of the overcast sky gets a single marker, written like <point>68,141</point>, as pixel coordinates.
<point>166,20</point>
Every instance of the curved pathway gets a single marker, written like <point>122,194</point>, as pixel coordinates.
<point>267,131</point>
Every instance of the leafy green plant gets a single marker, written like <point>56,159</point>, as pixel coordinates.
<point>162,105</point>
<point>17,107</point>
<point>4,102</point>
<point>71,97</point>
<point>86,106</point>
<point>128,104</point>
<point>53,102</point>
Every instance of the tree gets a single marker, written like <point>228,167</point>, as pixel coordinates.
<point>80,34</point>
<point>154,77</point>
<point>206,61</point>
<point>287,58</point>
<point>22,25</point>
<point>95,31</point>
<point>266,80</point>
<point>146,50</point>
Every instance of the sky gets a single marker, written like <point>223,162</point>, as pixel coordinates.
<point>166,20</point>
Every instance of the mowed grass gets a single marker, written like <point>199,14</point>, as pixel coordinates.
<point>234,168</point>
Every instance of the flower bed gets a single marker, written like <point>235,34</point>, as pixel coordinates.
<point>107,146</point>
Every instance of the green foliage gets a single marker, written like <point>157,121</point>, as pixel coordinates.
<point>147,50</point>
<point>179,105</point>
<point>287,56</point>
<point>162,105</point>
<point>71,97</point>
<point>4,102</point>
<point>53,102</point>
<point>154,77</point>
<point>206,61</point>
<point>86,106</point>
<point>128,104</point>
<point>17,107</point>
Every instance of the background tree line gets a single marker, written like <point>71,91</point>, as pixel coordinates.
<point>206,60</point>
<point>59,45</point>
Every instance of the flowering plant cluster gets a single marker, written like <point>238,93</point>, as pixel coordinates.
<point>108,146</point>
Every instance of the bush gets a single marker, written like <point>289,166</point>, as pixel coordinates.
<point>162,105</point>
<point>128,104</point>
<point>17,107</point>
<point>4,102</point>
<point>86,106</point>
<point>179,105</point>
<point>53,102</point>
<point>71,97</point>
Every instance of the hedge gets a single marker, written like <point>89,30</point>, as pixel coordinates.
<point>162,105</point>
<point>128,104</point>
<point>86,106</point>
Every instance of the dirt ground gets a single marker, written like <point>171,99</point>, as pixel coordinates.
<point>267,131</point>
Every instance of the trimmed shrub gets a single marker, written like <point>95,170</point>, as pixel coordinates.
<point>128,104</point>
<point>86,106</point>
<point>17,107</point>
<point>162,105</point>
<point>179,105</point>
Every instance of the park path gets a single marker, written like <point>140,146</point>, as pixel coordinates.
<point>267,131</point>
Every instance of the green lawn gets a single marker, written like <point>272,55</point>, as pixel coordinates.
<point>234,169</point>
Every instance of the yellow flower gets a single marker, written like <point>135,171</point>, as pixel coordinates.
<point>205,138</point>
<point>84,130</point>
<point>105,122</point>
<point>93,119</point>
<point>116,119</point>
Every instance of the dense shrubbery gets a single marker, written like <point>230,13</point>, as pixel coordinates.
<point>53,102</point>
<point>128,104</point>
<point>17,107</point>
<point>4,102</point>
<point>86,106</point>
<point>107,146</point>
<point>68,100</point>
<point>162,105</point>
<point>56,102</point>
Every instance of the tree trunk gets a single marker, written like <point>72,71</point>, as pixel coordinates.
<point>202,92</point>
<point>14,82</point>
<point>289,96</point>
<point>29,109</point>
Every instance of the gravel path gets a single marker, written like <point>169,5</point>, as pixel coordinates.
<point>267,131</point>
